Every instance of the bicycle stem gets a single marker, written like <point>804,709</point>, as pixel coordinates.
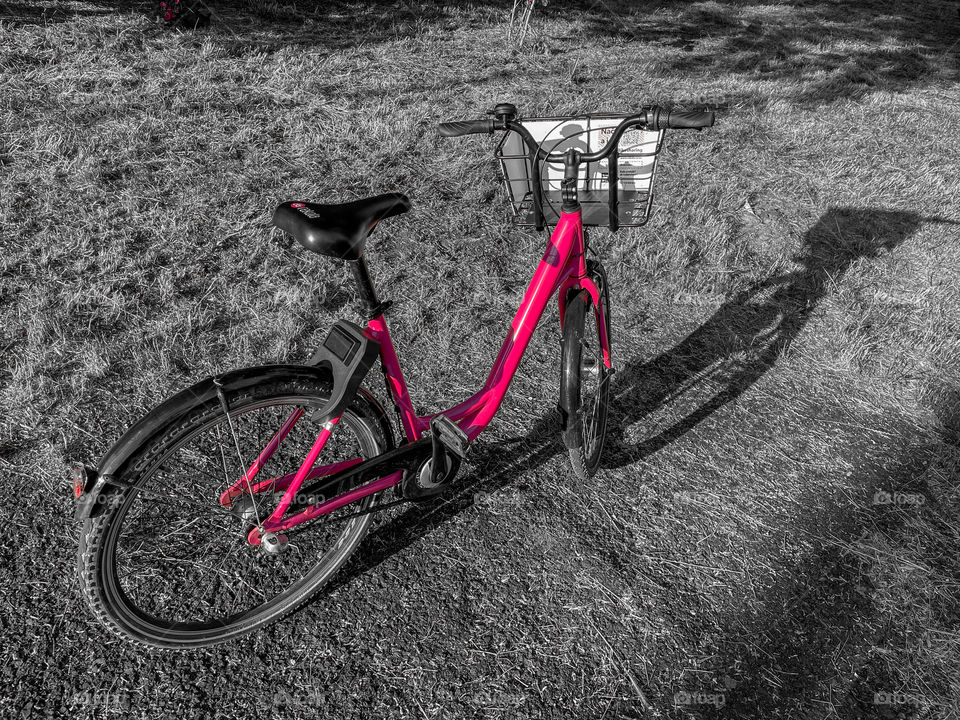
<point>568,188</point>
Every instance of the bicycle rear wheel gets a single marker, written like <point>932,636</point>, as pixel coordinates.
<point>167,565</point>
<point>585,379</point>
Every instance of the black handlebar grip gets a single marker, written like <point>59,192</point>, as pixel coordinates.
<point>660,119</point>
<point>466,127</point>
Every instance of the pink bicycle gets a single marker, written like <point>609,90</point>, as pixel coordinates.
<point>232,503</point>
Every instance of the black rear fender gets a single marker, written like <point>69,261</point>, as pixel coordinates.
<point>104,481</point>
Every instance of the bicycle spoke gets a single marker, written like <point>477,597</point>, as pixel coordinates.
<point>169,501</point>
<point>181,563</point>
<point>236,444</point>
<point>217,570</point>
<point>223,458</point>
<point>191,468</point>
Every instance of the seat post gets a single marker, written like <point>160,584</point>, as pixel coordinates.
<point>371,305</point>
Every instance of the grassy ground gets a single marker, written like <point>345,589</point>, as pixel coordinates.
<point>774,530</point>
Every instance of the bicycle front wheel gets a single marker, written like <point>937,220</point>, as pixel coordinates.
<point>585,379</point>
<point>165,564</point>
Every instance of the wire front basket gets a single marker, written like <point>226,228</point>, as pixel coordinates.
<point>615,192</point>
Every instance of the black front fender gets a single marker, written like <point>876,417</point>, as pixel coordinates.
<point>578,302</point>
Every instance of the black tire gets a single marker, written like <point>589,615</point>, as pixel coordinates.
<point>584,378</point>
<point>163,549</point>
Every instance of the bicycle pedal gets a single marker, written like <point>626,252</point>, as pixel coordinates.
<point>449,434</point>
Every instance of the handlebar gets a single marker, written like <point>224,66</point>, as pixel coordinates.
<point>652,118</point>
<point>506,118</point>
<point>454,128</point>
<point>660,119</point>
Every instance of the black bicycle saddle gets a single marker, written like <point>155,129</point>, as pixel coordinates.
<point>338,231</point>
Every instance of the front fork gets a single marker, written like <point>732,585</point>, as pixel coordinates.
<point>584,280</point>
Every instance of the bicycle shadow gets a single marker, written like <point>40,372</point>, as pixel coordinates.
<point>744,338</point>
<point>492,469</point>
<point>840,236</point>
<point>824,601</point>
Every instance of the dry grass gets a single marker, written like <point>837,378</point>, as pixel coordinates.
<point>787,336</point>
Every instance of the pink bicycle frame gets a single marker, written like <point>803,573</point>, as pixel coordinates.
<point>562,268</point>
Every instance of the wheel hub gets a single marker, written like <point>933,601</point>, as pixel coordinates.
<point>273,543</point>
<point>245,509</point>
<point>589,367</point>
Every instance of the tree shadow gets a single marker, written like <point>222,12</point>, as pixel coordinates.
<point>879,44</point>
<point>330,26</point>
<point>743,339</point>
<point>807,646</point>
<point>38,12</point>
<point>817,50</point>
<point>261,25</point>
